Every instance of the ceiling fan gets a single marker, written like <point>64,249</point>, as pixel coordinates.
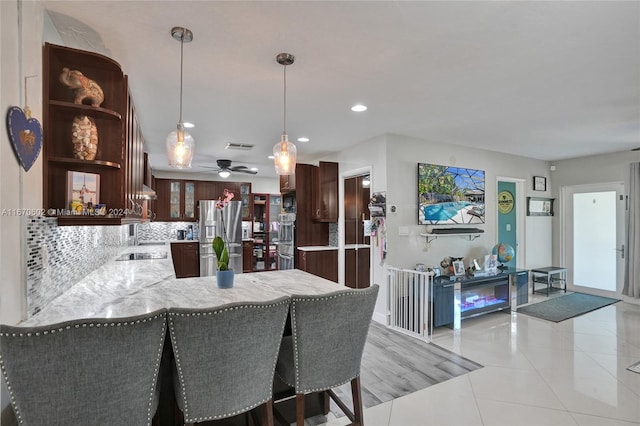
<point>225,169</point>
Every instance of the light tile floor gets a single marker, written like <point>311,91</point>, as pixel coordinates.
<point>535,372</point>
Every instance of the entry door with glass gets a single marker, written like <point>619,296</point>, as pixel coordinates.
<point>594,235</point>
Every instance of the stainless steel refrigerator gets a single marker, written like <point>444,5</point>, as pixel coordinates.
<point>225,222</point>
<point>286,240</point>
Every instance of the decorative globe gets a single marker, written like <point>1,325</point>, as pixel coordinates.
<point>504,252</point>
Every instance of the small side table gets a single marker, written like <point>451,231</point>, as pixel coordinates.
<point>549,276</point>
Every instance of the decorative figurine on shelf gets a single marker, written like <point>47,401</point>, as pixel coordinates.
<point>85,88</point>
<point>84,136</point>
<point>448,266</point>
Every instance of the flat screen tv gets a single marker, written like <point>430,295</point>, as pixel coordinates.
<point>450,195</point>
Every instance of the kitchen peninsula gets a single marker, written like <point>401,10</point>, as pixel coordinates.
<point>119,289</point>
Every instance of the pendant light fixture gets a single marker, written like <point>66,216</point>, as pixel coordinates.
<point>180,144</point>
<point>284,152</point>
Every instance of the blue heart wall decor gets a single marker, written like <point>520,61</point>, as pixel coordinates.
<point>25,135</point>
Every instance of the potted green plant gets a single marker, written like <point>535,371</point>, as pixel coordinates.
<point>224,275</point>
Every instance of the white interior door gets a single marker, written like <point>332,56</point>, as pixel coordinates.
<point>594,236</point>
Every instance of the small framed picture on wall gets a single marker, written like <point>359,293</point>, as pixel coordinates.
<point>539,183</point>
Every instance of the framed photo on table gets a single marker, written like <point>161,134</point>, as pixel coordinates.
<point>458,267</point>
<point>491,263</point>
<point>539,183</point>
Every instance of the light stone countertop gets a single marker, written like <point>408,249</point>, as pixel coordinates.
<point>317,248</point>
<point>135,287</point>
<point>323,248</point>
<point>359,246</point>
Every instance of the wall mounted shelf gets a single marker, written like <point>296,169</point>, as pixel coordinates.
<point>86,109</point>
<point>92,163</point>
<point>432,237</point>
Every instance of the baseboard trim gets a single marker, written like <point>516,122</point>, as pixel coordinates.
<point>381,318</point>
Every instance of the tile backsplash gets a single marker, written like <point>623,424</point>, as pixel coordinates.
<point>60,256</point>
<point>164,231</point>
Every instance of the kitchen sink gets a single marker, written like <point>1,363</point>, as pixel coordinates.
<point>142,256</point>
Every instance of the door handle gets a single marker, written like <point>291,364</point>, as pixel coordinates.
<point>621,250</point>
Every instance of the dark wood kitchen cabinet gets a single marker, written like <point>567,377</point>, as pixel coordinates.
<point>186,259</point>
<point>357,267</point>
<point>178,198</point>
<point>287,183</point>
<point>247,256</point>
<point>323,263</point>
<point>308,231</point>
<point>325,198</point>
<point>357,258</point>
<point>118,160</point>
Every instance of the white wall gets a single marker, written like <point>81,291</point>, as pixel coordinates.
<point>22,33</point>
<point>21,56</point>
<point>403,155</point>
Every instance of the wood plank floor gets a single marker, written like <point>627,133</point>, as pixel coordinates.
<point>394,365</point>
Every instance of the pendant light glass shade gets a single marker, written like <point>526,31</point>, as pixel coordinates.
<point>284,152</point>
<point>180,144</point>
<point>284,156</point>
<point>180,147</point>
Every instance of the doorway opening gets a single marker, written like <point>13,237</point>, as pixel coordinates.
<point>594,233</point>
<point>510,224</point>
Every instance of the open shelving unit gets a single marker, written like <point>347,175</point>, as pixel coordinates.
<point>119,156</point>
<point>266,208</point>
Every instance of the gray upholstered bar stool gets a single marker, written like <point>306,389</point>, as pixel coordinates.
<point>84,372</point>
<point>325,349</point>
<point>225,358</point>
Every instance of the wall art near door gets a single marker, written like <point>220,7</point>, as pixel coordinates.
<point>539,206</point>
<point>539,183</point>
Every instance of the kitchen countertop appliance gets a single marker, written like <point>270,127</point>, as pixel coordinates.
<point>286,240</point>
<point>223,222</point>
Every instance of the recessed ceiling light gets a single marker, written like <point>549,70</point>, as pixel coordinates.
<point>188,125</point>
<point>303,139</point>
<point>358,108</point>
<point>270,157</point>
<point>254,169</point>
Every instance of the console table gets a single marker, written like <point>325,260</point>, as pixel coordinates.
<point>548,276</point>
<point>458,297</point>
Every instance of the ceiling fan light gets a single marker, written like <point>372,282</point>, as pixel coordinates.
<point>224,174</point>
<point>284,156</point>
<point>180,154</point>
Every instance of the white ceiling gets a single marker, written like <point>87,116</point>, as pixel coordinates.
<point>548,80</point>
